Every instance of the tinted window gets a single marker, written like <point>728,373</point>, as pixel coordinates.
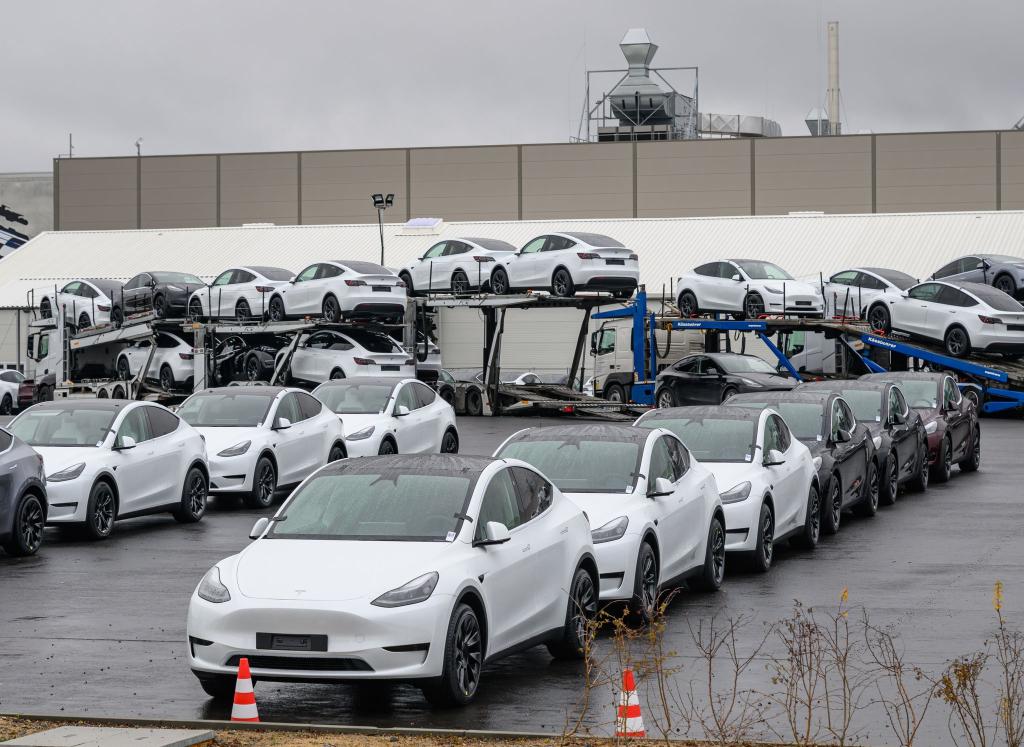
<point>494,245</point>
<point>953,297</point>
<point>365,268</point>
<point>661,463</point>
<point>950,393</point>
<point>226,409</point>
<point>424,394</point>
<point>289,408</point>
<point>925,291</point>
<point>776,434</point>
<point>161,422</point>
<point>946,270</point>
<point>274,273</point>
<point>135,425</point>
<point>407,397</point>
<point>457,247</point>
<point>580,465</point>
<point>13,377</point>
<point>136,282</point>
<point>900,279</point>
<point>354,398</point>
<point>533,491</point>
<point>758,270</point>
<point>896,401</point>
<point>308,274</point>
<point>534,246</point>
<point>435,251</point>
<point>597,239</point>
<point>873,283</point>
<point>709,270</point>
<point>309,406</point>
<point>710,439</point>
<point>336,342</point>
<point>845,278</point>
<point>557,243</point>
<point>500,503</point>
<point>328,271</point>
<point>5,440</point>
<point>995,298</point>
<point>680,457</point>
<point>166,341</point>
<point>372,341</point>
<point>62,427</point>
<point>688,365</point>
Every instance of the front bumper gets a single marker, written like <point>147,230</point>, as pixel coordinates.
<point>616,562</point>
<point>232,474</point>
<point>365,446</point>
<point>741,522</point>
<point>363,641</point>
<point>68,501</point>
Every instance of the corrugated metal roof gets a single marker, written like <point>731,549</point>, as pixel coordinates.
<point>805,244</point>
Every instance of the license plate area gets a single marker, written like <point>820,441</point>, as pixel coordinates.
<point>291,642</point>
<point>390,368</point>
<point>615,261</point>
<point>381,288</point>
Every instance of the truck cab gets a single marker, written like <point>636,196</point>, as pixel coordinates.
<point>614,367</point>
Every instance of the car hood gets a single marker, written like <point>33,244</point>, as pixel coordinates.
<point>218,439</point>
<point>351,423</point>
<point>730,474</point>
<point>793,287</point>
<point>773,381</point>
<point>332,570</point>
<point>600,508</point>
<point>56,458</point>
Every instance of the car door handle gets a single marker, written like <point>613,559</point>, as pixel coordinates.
<point>526,548</point>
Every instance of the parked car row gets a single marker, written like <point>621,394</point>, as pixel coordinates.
<point>85,464</point>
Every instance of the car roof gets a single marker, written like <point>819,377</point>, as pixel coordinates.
<point>717,356</point>
<point>412,463</point>
<point>261,268</point>
<point>723,412</point>
<point>389,380</point>
<point>490,244</point>
<point>595,431</point>
<point>365,268</point>
<point>104,284</point>
<point>265,391</point>
<point>595,239</point>
<point>809,396</point>
<point>897,376</point>
<point>834,384</point>
<point>100,405</point>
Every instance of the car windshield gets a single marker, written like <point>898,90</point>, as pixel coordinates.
<point>581,465</point>
<point>866,404</point>
<point>744,364</point>
<point>351,399</point>
<point>63,427</point>
<point>373,341</point>
<point>711,439</point>
<point>995,298</point>
<point>377,504</point>
<point>176,277</point>
<point>900,279</point>
<point>226,409</point>
<point>757,270</point>
<point>920,393</point>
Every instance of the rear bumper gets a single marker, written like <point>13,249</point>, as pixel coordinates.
<point>594,275</point>
<point>376,309</point>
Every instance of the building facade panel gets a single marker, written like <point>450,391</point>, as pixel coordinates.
<point>577,180</point>
<point>1012,170</point>
<point>465,183</point>
<point>829,174</point>
<point>179,191</point>
<point>259,188</point>
<point>97,193</point>
<point>693,178</point>
<point>337,185</point>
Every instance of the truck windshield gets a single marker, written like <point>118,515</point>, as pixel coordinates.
<point>581,465</point>
<point>63,426</point>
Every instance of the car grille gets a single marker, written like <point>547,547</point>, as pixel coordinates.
<point>303,663</point>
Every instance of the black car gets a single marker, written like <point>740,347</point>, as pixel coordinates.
<point>711,378</point>
<point>843,450</point>
<point>23,504</point>
<point>896,430</point>
<point>257,363</point>
<point>166,294</point>
<point>950,419</point>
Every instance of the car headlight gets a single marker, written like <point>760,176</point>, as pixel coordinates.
<point>877,441</point>
<point>751,382</point>
<point>613,530</point>
<point>417,590</point>
<point>68,473</point>
<point>817,463</point>
<point>362,434</point>
<point>737,493</point>
<point>236,450</point>
<point>773,289</point>
<point>931,426</point>
<point>211,589</point>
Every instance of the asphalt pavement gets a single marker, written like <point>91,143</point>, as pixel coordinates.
<point>98,629</point>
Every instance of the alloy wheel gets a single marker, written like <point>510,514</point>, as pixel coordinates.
<point>6,405</point>
<point>873,488</point>
<point>584,605</point>
<point>956,342</point>
<point>754,306</point>
<point>242,312</point>
<point>276,309</point>
<point>166,379</point>
<point>195,308</point>
<point>649,586</point>
<point>266,483</point>
<point>460,283</point>
<point>718,553</point>
<point>197,495</point>
<point>665,399</point>
<point>30,524</point>
<point>158,307</point>
<point>815,517</point>
<point>768,538</point>
<point>878,318</point>
<point>449,444</point>
<point>499,282</point>
<point>103,516</point>
<point>332,311</point>
<point>252,369</point>
<point>468,654</point>
<point>83,321</point>
<point>337,453</point>
<point>561,284</point>
<point>1005,284</point>
<point>893,476</point>
<point>386,447</point>
<point>837,504</point>
<point>687,305</point>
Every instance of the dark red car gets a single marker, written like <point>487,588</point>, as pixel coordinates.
<point>950,419</point>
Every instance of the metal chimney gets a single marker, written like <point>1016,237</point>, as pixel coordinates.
<point>836,127</point>
<point>638,100</point>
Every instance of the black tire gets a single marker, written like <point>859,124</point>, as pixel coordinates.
<point>879,318</point>
<point>665,397</point>
<point>499,282</point>
<point>83,321</point>
<point>387,446</point>
<point>687,303</point>
<point>337,453</point>
<point>832,511</point>
<point>1006,284</point>
<point>159,307</point>
<point>242,311</point>
<point>973,460</point>
<point>45,393</point>
<point>868,505</point>
<point>101,512</point>
<point>614,393</point>
<point>943,467</point>
<point>808,537</point>
<point>118,393</point>
<point>463,661</point>
<point>728,392</point>
<point>218,687</point>
<point>764,553</point>
<point>581,609</point>
<point>407,279</point>
<point>460,283</point>
<point>561,284</point>
<point>337,374</point>
<point>6,405</point>
<point>956,342</point>
<point>474,402</point>
<point>27,528</point>
<point>253,368</point>
<point>124,369</point>
<point>194,494</point>
<point>102,394</point>
<point>117,317</point>
<point>713,572</point>
<point>167,378</point>
<point>450,442</point>
<point>331,309</point>
<point>448,395</point>
<point>275,309</point>
<point>646,581</point>
<point>195,308</point>
<point>264,484</point>
<point>753,306</point>
<point>889,481</point>
<point>45,310</point>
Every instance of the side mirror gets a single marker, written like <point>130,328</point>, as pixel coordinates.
<point>126,443</point>
<point>495,532</point>
<point>737,277</point>
<point>282,424</point>
<point>843,436</point>
<point>259,527</point>
<point>401,411</point>
<point>898,419</point>
<point>292,279</point>
<point>774,458</point>
<point>662,486</point>
<point>986,265</point>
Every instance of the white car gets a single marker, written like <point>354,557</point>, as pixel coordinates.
<point>86,302</point>
<point>865,292</point>
<point>564,263</point>
<point>10,382</point>
<point>962,317</point>
<point>768,480</point>
<point>261,438</point>
<point>746,288</point>
<point>329,354</point>
<point>391,416</point>
<point>456,265</point>
<point>172,363</point>
<point>412,568</point>
<point>655,513</point>
<point>241,293</point>
<point>108,459</point>
<point>337,289</point>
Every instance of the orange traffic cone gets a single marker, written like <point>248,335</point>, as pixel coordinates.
<point>244,707</point>
<point>629,723</point>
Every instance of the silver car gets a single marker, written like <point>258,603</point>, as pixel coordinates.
<point>998,270</point>
<point>23,505</point>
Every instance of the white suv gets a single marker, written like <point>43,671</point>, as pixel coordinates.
<point>339,288</point>
<point>567,262</point>
<point>329,354</point>
<point>459,265</point>
<point>746,288</point>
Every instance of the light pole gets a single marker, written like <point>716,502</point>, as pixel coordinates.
<point>382,203</point>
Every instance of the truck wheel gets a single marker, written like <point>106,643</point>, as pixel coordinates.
<point>614,393</point>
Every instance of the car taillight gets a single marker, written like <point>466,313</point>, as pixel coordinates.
<point>185,356</point>
<point>400,284</point>
<point>484,259</point>
<point>263,289</point>
<point>103,308</point>
<point>362,361</point>
<point>354,283</point>
<point>633,257</point>
<point>586,255</point>
<point>989,319</point>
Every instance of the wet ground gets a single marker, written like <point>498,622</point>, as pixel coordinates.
<point>98,629</point>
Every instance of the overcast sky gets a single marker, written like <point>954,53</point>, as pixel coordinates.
<point>234,75</point>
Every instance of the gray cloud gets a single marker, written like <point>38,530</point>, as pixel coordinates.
<point>201,76</point>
